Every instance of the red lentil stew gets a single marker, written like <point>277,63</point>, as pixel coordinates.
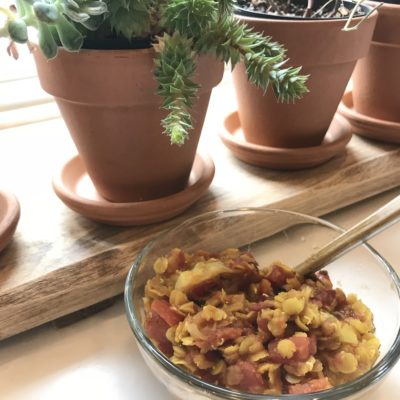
<point>226,320</point>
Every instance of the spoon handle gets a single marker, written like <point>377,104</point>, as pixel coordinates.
<point>364,230</point>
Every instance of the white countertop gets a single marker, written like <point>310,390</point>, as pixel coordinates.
<point>97,358</point>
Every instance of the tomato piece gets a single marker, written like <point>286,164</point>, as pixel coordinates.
<point>314,385</point>
<point>245,377</point>
<point>156,328</point>
<point>305,347</point>
<point>164,310</point>
<point>176,260</point>
<point>278,276</point>
<point>325,296</point>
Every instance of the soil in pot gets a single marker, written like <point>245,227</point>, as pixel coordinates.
<point>327,54</point>
<point>376,78</point>
<point>299,9</point>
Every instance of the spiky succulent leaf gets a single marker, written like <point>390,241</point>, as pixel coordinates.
<point>233,41</point>
<point>130,18</point>
<point>175,65</point>
<point>226,6</point>
<point>189,17</point>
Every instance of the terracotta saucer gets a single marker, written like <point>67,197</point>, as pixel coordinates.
<point>9,216</point>
<point>363,125</point>
<point>335,141</point>
<point>74,187</point>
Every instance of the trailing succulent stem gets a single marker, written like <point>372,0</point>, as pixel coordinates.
<point>180,31</point>
<point>234,42</point>
<point>212,29</point>
<point>174,67</point>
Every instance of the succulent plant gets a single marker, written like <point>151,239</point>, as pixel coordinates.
<point>179,30</point>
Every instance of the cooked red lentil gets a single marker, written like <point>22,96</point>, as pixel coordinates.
<point>231,323</point>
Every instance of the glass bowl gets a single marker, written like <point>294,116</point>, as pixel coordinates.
<point>270,235</point>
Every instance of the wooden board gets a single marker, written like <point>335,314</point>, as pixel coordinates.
<point>60,262</point>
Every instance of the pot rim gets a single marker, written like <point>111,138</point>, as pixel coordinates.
<point>102,51</point>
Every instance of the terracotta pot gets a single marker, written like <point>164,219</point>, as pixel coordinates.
<point>108,101</point>
<point>376,78</point>
<point>327,54</point>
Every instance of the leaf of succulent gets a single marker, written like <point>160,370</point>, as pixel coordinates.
<point>94,7</point>
<point>233,41</point>
<point>175,65</point>
<point>287,84</point>
<point>18,30</point>
<point>226,6</point>
<point>189,17</point>
<point>93,23</point>
<point>70,37</point>
<point>130,18</point>
<point>44,12</point>
<point>47,42</point>
<point>81,11</point>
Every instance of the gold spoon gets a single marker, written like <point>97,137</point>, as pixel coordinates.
<point>353,237</point>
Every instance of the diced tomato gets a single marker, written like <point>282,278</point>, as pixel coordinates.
<point>265,287</point>
<point>156,329</point>
<point>176,260</point>
<point>216,335</point>
<point>249,271</point>
<point>206,376</point>
<point>202,290</point>
<point>261,305</point>
<point>263,326</point>
<point>244,376</point>
<point>164,310</point>
<point>228,333</point>
<point>324,278</point>
<point>341,299</point>
<point>314,385</point>
<point>274,355</point>
<point>305,347</point>
<point>325,296</point>
<point>278,276</point>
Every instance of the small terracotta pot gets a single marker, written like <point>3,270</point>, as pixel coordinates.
<point>376,78</point>
<point>327,54</point>
<point>108,100</point>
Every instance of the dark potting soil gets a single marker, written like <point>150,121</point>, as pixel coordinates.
<point>120,43</point>
<point>298,8</point>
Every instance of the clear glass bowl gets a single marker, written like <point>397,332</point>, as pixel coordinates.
<point>270,235</point>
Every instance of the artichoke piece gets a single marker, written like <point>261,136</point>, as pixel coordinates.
<point>203,273</point>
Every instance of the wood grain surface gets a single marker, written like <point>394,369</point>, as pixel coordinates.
<point>60,262</point>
